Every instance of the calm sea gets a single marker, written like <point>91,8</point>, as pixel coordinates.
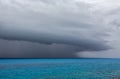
<point>59,68</point>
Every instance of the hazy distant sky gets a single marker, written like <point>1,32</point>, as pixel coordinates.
<point>59,28</point>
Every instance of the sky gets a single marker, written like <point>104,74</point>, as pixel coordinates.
<point>59,28</point>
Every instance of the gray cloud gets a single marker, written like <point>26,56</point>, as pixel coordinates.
<point>22,49</point>
<point>60,26</point>
<point>108,11</point>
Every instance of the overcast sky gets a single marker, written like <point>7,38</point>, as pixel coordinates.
<point>59,28</point>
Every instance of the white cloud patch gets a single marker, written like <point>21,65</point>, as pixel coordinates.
<point>108,11</point>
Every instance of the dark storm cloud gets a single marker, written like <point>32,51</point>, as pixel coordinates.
<point>50,38</point>
<point>22,49</point>
<point>60,28</point>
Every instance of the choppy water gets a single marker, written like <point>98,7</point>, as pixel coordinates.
<point>59,68</point>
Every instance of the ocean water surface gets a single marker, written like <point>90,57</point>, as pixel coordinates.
<point>59,68</point>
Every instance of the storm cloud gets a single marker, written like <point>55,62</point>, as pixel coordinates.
<point>50,28</point>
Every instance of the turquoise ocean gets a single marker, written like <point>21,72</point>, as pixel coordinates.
<point>59,68</point>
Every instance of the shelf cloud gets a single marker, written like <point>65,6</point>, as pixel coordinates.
<point>50,28</point>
